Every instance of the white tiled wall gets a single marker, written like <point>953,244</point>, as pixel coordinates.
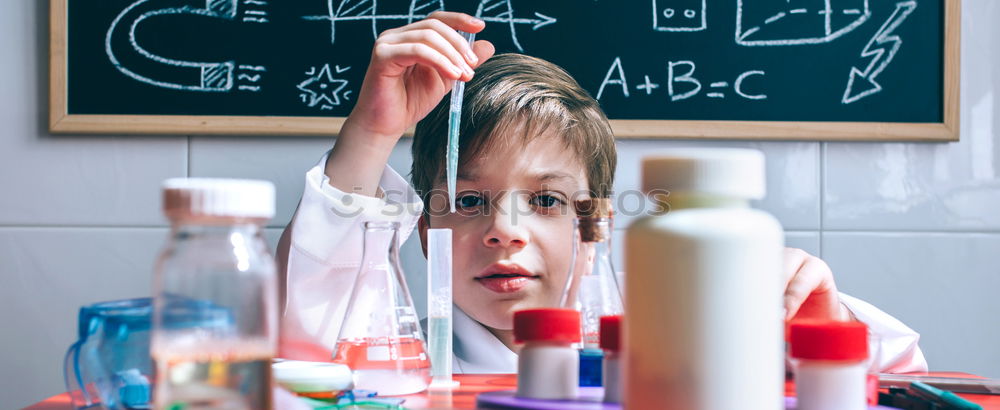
<point>913,228</point>
<point>793,178</point>
<point>944,285</point>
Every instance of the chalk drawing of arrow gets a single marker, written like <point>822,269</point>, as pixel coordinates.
<point>360,10</point>
<point>494,11</point>
<point>881,48</point>
<point>129,57</point>
<point>502,11</point>
<point>539,22</point>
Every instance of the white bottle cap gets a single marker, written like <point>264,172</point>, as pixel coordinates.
<point>730,172</point>
<point>186,198</point>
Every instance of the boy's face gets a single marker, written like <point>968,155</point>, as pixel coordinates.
<point>512,228</point>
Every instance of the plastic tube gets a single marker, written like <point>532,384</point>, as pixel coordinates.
<point>454,125</point>
<point>439,305</point>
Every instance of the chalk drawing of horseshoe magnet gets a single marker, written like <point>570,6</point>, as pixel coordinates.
<point>129,57</point>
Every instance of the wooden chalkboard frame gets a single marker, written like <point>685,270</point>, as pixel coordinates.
<point>60,121</point>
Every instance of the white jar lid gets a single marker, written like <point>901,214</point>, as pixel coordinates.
<point>312,377</point>
<point>730,172</point>
<point>185,198</point>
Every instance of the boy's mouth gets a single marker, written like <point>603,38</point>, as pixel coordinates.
<point>505,278</point>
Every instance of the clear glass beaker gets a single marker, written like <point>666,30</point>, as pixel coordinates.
<point>380,338</point>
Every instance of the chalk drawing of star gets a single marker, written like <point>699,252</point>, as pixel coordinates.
<point>322,88</point>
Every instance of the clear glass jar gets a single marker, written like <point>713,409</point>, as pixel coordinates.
<point>216,269</point>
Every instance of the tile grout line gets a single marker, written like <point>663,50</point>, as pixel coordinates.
<point>791,231</point>
<point>917,231</point>
<point>16,226</point>
<point>13,226</point>
<point>887,231</point>
<point>188,159</point>
<point>822,193</point>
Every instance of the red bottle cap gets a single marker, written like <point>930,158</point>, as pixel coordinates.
<point>611,328</point>
<point>829,340</point>
<point>547,325</point>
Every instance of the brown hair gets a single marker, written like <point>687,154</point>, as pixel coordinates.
<point>511,99</point>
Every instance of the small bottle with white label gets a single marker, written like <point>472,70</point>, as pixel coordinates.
<point>611,344</point>
<point>548,365</point>
<point>830,367</point>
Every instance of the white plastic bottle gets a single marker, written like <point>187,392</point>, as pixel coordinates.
<point>704,287</point>
<point>830,368</point>
<point>215,315</point>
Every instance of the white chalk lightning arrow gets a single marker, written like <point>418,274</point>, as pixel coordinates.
<point>882,47</point>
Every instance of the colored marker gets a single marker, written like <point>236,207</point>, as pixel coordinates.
<point>943,396</point>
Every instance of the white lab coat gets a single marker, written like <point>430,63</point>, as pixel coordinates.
<point>325,253</point>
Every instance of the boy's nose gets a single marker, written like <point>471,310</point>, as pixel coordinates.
<point>507,227</point>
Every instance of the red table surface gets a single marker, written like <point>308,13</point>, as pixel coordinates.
<point>472,384</point>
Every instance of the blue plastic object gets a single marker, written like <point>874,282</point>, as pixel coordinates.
<point>591,363</point>
<point>110,364</point>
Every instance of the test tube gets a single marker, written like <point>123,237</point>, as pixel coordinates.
<point>439,302</point>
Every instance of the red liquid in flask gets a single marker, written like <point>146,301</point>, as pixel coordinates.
<point>389,366</point>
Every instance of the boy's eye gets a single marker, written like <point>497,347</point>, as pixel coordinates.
<point>547,201</point>
<point>468,201</point>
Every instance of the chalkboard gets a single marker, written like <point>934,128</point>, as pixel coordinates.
<point>788,69</point>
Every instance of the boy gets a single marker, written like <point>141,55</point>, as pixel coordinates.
<point>532,141</point>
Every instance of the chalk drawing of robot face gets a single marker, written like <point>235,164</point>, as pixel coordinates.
<point>679,15</point>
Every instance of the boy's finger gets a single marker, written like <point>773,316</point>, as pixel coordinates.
<point>448,33</point>
<point>409,54</point>
<point>435,40</point>
<point>799,288</point>
<point>456,21</point>
<point>459,21</point>
<point>793,260</point>
<point>484,50</point>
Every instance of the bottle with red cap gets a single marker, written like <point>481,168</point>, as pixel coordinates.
<point>611,344</point>
<point>548,365</point>
<point>830,369</point>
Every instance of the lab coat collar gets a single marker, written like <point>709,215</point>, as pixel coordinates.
<point>476,350</point>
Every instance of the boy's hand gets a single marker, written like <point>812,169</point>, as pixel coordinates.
<point>809,288</point>
<point>411,69</point>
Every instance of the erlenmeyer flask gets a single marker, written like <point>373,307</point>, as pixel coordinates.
<point>592,286</point>
<point>380,338</point>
